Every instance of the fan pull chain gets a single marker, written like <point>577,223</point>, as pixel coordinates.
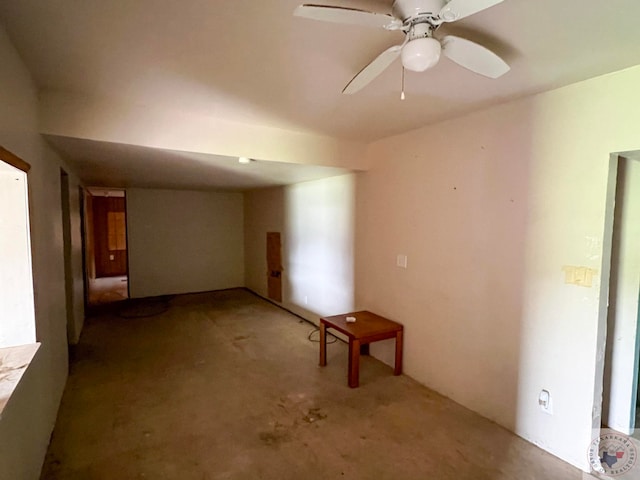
<point>402,97</point>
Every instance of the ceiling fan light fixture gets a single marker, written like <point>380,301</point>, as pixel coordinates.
<point>421,54</point>
<point>418,20</point>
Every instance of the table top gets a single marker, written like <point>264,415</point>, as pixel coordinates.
<point>367,324</point>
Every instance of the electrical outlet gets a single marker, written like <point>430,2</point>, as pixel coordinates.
<point>401,261</point>
<point>545,402</point>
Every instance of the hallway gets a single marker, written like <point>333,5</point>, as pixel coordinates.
<point>224,385</point>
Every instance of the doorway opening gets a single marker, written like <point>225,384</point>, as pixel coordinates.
<point>105,242</point>
<point>621,361</point>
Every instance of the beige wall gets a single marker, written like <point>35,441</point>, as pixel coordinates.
<point>28,418</point>
<point>489,208</point>
<point>184,241</point>
<point>264,211</point>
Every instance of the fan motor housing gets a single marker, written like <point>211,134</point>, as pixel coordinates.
<point>407,9</point>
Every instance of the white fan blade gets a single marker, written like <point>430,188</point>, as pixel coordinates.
<point>351,16</point>
<point>371,71</point>
<point>457,9</point>
<point>473,56</point>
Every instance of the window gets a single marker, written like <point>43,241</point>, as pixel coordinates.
<point>17,324</point>
<point>17,316</point>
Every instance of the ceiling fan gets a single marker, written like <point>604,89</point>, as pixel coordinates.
<point>421,50</point>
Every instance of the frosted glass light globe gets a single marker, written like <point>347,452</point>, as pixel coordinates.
<point>421,54</point>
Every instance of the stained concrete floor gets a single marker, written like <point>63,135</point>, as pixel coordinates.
<point>226,386</point>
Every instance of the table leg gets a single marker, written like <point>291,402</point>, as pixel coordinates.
<point>323,344</point>
<point>398,364</point>
<point>354,362</point>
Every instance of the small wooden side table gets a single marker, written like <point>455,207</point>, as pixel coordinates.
<point>367,328</point>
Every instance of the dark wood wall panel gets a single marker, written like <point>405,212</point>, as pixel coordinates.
<point>110,253</point>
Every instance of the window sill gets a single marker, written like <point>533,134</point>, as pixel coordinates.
<point>14,361</point>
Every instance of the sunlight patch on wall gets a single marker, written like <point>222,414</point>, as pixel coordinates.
<point>319,244</point>
<point>17,325</point>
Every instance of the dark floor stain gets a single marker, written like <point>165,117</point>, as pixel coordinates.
<point>238,341</point>
<point>313,415</point>
<point>275,438</point>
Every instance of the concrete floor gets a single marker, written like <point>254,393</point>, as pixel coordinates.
<point>226,386</point>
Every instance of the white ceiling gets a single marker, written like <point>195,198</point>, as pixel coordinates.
<point>103,164</point>
<point>251,61</point>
